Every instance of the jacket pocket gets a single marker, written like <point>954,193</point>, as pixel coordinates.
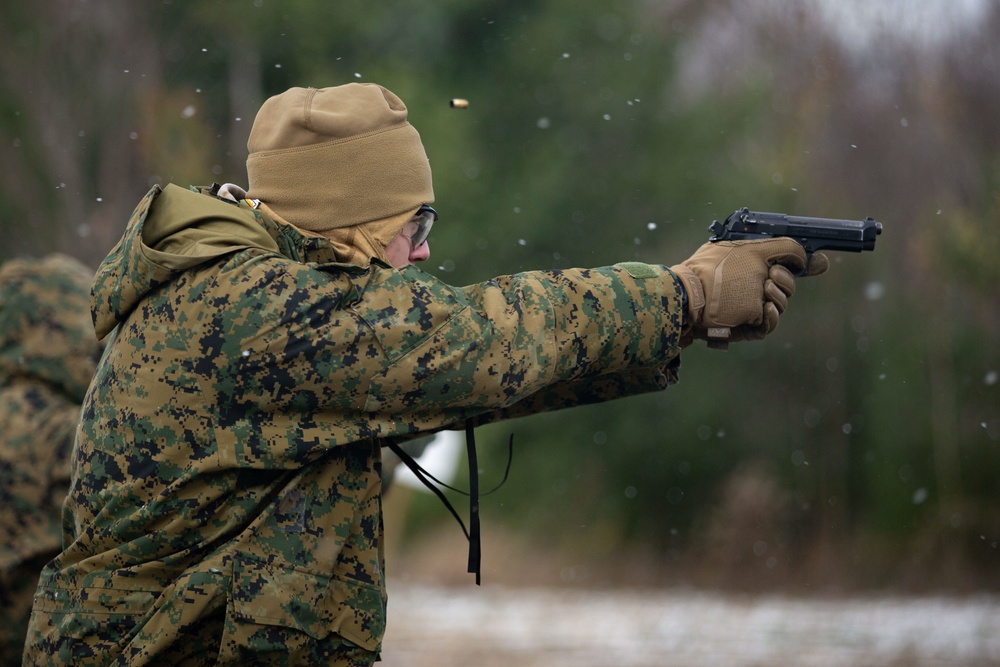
<point>82,626</point>
<point>301,606</point>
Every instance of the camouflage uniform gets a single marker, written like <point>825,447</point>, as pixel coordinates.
<point>225,505</point>
<point>48,354</point>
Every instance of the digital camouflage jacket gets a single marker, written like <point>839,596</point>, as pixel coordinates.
<point>225,505</point>
<point>48,354</point>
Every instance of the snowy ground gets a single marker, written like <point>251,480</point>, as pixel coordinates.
<point>493,626</point>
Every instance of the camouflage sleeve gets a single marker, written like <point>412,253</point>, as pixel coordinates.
<point>506,339</point>
<point>598,389</point>
<point>302,358</point>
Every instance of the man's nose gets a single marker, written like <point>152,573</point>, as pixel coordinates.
<point>421,253</point>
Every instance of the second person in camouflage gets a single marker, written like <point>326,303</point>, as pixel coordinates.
<point>48,355</point>
<point>265,345</point>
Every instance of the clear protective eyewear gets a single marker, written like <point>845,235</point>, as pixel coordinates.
<point>424,219</point>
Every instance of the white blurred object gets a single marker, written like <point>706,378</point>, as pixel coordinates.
<point>440,459</point>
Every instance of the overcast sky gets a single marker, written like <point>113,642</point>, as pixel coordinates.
<point>928,21</point>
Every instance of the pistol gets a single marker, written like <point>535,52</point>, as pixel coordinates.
<point>813,234</point>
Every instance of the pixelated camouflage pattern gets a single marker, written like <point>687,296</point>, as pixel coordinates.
<point>48,354</point>
<point>226,497</point>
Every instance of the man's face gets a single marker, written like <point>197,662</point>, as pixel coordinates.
<point>401,252</point>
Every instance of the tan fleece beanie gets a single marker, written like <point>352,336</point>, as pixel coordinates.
<point>330,158</point>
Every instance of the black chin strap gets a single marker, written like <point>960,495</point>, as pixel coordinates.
<point>433,483</point>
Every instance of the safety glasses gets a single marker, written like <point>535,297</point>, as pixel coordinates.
<point>424,219</point>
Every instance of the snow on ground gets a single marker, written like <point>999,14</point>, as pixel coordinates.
<point>493,626</point>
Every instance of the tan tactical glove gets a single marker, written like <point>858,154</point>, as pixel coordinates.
<point>736,290</point>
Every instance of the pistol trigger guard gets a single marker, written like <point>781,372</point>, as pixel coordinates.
<point>795,271</point>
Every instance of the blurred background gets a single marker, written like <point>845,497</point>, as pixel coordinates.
<point>856,449</point>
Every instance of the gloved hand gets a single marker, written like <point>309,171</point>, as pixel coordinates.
<point>738,289</point>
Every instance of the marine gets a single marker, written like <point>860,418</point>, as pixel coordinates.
<point>48,355</point>
<point>264,345</point>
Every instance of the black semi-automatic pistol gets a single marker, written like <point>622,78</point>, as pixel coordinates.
<point>813,234</point>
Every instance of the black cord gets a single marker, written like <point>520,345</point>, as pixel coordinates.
<point>472,533</point>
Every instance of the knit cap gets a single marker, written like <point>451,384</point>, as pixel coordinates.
<point>330,158</point>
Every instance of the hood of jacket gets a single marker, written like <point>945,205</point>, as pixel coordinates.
<point>173,229</point>
<point>46,333</point>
